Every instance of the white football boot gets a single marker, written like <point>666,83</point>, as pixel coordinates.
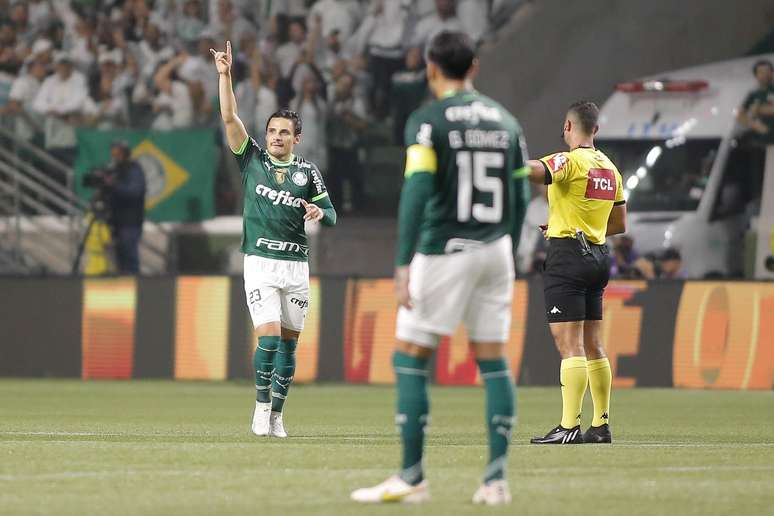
<point>393,490</point>
<point>276,427</point>
<point>494,492</point>
<point>261,418</point>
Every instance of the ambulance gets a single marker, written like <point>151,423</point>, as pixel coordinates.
<point>693,179</point>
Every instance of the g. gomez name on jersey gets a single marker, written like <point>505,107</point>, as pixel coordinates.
<point>282,197</point>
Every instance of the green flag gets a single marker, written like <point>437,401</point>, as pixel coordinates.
<point>179,166</point>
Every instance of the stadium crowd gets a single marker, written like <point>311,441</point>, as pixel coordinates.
<point>145,64</point>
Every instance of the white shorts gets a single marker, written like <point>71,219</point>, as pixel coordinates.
<point>277,290</point>
<point>474,286</point>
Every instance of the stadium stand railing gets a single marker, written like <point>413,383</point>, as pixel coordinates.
<point>44,220</point>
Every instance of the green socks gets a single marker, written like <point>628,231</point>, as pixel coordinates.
<point>263,364</point>
<point>284,368</point>
<point>412,416</point>
<point>500,408</point>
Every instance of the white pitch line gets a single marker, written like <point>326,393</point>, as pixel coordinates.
<point>66,475</point>
<point>65,434</point>
<point>193,439</point>
<point>639,469</point>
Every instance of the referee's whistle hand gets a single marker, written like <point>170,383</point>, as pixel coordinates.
<point>402,287</point>
<point>544,230</point>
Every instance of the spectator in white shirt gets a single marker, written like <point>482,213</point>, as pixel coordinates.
<point>311,107</point>
<point>11,53</point>
<point>386,28</point>
<point>422,8</point>
<point>25,31</point>
<point>43,51</point>
<point>198,67</point>
<point>152,50</point>
<point>40,14</point>
<point>111,109</point>
<point>341,15</point>
<point>246,75</point>
<point>266,101</point>
<point>172,105</point>
<point>229,24</point>
<point>325,50</point>
<point>82,44</point>
<point>191,23</point>
<point>346,119</point>
<point>23,92</point>
<point>265,10</point>
<point>289,53</point>
<point>241,9</point>
<point>62,99</point>
<point>474,16</point>
<point>445,18</point>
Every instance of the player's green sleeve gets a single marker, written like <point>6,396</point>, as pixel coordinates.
<point>521,198</point>
<point>329,212</point>
<point>417,188</point>
<point>245,152</point>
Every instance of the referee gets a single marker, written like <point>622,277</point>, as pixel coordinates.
<point>586,204</point>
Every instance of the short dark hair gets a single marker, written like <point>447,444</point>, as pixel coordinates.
<point>122,144</point>
<point>289,115</point>
<point>761,62</point>
<point>671,254</point>
<point>453,52</point>
<point>587,113</point>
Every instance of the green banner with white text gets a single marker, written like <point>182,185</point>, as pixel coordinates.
<point>179,166</point>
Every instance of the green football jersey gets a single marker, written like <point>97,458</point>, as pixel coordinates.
<point>472,146</point>
<point>273,215</point>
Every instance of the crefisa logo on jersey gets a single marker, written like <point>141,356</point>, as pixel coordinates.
<point>473,113</point>
<point>299,178</point>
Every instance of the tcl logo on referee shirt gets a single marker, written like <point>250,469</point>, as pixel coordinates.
<point>600,184</point>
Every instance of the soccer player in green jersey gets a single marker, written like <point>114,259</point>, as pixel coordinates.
<point>281,192</point>
<point>463,202</point>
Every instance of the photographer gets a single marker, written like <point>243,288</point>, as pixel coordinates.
<point>124,189</point>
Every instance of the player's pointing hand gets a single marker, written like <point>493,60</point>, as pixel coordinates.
<point>313,212</point>
<point>222,59</point>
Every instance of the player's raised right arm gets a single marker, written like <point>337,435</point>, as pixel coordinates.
<point>236,134</point>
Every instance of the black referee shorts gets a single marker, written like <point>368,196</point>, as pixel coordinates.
<point>573,282</point>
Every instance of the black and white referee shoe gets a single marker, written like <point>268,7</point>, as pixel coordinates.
<point>560,435</point>
<point>598,435</point>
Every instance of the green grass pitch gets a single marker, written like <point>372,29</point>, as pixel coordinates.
<point>148,447</point>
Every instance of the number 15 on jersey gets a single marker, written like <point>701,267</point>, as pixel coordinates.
<point>472,169</point>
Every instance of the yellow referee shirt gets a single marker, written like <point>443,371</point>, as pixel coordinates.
<point>584,185</point>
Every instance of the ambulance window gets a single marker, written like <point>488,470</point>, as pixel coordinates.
<point>661,175</point>
<point>742,183</point>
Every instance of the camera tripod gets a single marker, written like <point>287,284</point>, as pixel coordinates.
<point>98,215</point>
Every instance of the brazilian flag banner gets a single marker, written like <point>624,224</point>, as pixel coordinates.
<point>179,166</point>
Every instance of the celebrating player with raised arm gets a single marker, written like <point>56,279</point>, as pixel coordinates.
<point>461,208</point>
<point>281,192</point>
